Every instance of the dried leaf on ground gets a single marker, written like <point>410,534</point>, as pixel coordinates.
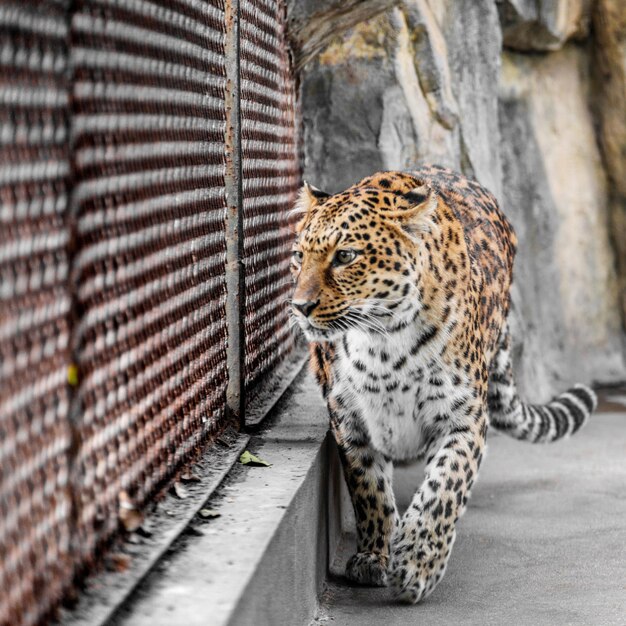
<point>118,562</point>
<point>129,515</point>
<point>190,477</point>
<point>247,458</point>
<point>180,491</point>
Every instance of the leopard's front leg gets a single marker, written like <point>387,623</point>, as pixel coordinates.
<point>423,541</point>
<point>368,476</point>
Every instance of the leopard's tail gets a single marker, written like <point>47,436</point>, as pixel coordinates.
<point>561,417</point>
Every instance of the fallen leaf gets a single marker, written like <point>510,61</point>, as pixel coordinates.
<point>129,515</point>
<point>247,458</point>
<point>118,562</point>
<point>180,490</point>
<point>208,513</point>
<point>190,477</point>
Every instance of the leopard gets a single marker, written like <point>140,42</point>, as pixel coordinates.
<point>403,292</point>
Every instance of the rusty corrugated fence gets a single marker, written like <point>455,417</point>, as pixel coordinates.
<point>270,180</point>
<point>35,305</point>
<point>113,266</point>
<point>147,134</point>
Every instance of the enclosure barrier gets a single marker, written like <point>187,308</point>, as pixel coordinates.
<point>149,155</point>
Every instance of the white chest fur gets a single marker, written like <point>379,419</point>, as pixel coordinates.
<point>405,396</point>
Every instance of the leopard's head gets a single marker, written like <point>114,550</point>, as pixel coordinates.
<point>356,261</point>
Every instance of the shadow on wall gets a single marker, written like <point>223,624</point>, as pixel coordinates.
<point>505,97</point>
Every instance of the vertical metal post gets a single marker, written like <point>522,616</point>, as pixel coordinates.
<point>235,354</point>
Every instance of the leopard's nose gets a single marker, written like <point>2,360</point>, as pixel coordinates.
<point>304,306</point>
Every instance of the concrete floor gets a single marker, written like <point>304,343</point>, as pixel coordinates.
<point>543,541</point>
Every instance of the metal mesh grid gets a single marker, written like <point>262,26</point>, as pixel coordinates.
<point>112,257</point>
<point>148,132</point>
<point>34,309</point>
<point>270,180</point>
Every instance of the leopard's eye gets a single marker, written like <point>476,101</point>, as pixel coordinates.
<point>343,257</point>
<point>297,256</point>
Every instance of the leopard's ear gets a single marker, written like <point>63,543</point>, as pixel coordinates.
<point>418,216</point>
<point>308,198</point>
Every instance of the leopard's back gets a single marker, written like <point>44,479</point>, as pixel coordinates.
<point>491,240</point>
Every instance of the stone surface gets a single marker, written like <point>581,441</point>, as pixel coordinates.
<point>264,559</point>
<point>312,23</point>
<point>343,97</point>
<point>541,25</point>
<point>429,82</point>
<point>373,100</point>
<point>609,89</point>
<point>555,193</point>
<point>473,40</point>
<point>542,541</point>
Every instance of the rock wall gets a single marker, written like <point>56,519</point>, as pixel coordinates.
<point>507,93</point>
<point>609,104</point>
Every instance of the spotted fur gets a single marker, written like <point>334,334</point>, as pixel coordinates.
<point>402,288</point>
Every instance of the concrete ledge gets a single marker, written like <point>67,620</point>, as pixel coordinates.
<point>168,519</point>
<point>264,560</point>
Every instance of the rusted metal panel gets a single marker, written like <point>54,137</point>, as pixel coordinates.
<point>35,437</point>
<point>270,179</point>
<point>149,153</point>
<point>148,135</point>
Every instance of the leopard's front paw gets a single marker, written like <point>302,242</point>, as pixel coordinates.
<point>368,568</point>
<point>418,560</point>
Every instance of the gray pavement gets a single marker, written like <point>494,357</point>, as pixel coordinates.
<point>543,541</point>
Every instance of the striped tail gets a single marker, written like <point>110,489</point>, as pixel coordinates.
<point>561,417</point>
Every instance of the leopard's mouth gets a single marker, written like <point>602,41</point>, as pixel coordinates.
<point>328,329</point>
<point>366,319</point>
<point>338,326</point>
